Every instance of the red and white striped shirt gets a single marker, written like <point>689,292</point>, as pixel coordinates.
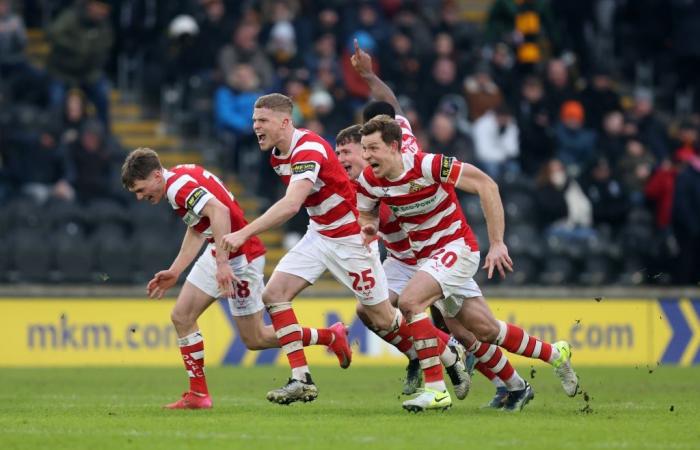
<point>189,187</point>
<point>409,143</point>
<point>424,201</point>
<point>332,203</point>
<point>396,240</point>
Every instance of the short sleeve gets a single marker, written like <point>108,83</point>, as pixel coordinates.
<point>440,168</point>
<point>409,143</point>
<point>365,200</point>
<point>185,192</point>
<point>305,165</point>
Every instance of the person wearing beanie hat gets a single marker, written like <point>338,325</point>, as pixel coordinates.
<point>574,144</point>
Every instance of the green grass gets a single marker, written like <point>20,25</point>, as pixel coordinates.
<point>120,409</point>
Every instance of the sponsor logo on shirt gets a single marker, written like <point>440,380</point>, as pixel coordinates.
<point>194,198</point>
<point>302,167</point>
<point>414,207</point>
<point>446,166</point>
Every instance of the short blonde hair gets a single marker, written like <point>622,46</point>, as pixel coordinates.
<point>139,164</point>
<point>275,102</point>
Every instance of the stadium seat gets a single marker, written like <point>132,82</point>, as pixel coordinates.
<point>146,217</point>
<point>105,211</point>
<point>558,270</point>
<point>472,210</point>
<point>114,259</point>
<point>597,270</point>
<point>153,252</point>
<point>27,214</point>
<point>31,256</point>
<point>60,213</point>
<point>524,271</point>
<point>5,259</point>
<point>519,207</point>
<point>521,238</point>
<point>74,258</point>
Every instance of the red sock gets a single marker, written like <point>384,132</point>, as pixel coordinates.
<point>288,333</point>
<point>428,346</point>
<point>485,371</point>
<point>516,340</point>
<point>444,337</point>
<point>192,349</point>
<point>493,358</point>
<point>400,337</point>
<point>316,336</point>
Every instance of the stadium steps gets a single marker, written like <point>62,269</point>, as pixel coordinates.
<point>134,130</point>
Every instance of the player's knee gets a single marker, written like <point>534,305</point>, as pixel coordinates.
<point>485,331</point>
<point>409,305</point>
<point>274,294</point>
<point>362,314</point>
<point>180,318</point>
<point>254,342</point>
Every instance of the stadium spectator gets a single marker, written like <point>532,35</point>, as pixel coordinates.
<point>23,81</point>
<point>564,211</point>
<point>244,48</point>
<point>659,190</point>
<point>400,65</point>
<point>233,113</point>
<point>329,115</point>
<point>599,98</point>
<point>536,145</point>
<point>611,142</point>
<point>686,221</point>
<point>574,144</point>
<point>38,166</point>
<point>354,84</point>
<point>648,127</point>
<point>74,115</point>
<point>283,51</point>
<point>481,92</point>
<point>635,168</point>
<point>214,31</point>
<point>446,139</point>
<point>607,195</point>
<point>496,142</point>
<point>441,82</point>
<point>559,86</point>
<point>81,38</point>
<point>92,160</point>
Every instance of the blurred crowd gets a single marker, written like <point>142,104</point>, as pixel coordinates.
<point>587,107</point>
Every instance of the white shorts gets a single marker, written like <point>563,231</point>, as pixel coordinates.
<point>347,259</point>
<point>248,292</point>
<point>454,269</point>
<point>398,274</point>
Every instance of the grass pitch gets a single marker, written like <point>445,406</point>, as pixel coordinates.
<point>120,409</point>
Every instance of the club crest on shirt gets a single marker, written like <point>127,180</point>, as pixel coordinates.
<point>194,198</point>
<point>414,187</point>
<point>302,167</point>
<point>446,166</point>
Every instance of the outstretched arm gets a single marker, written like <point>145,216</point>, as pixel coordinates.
<point>362,63</point>
<point>275,216</point>
<point>165,279</point>
<point>475,181</point>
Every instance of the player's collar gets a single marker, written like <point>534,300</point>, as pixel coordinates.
<point>407,164</point>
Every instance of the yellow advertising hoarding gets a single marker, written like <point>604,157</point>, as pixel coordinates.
<point>100,332</point>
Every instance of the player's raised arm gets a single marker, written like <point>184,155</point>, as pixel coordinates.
<point>279,213</point>
<point>474,181</point>
<point>362,63</point>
